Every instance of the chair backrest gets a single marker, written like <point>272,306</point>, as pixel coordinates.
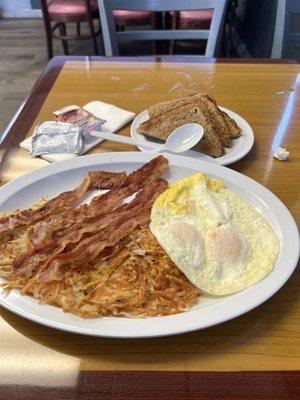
<point>287,27</point>
<point>111,37</point>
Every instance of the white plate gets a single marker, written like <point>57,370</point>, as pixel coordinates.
<point>64,175</point>
<point>240,146</point>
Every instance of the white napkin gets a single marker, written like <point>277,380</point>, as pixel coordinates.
<point>116,118</point>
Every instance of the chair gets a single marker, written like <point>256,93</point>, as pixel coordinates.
<point>131,18</point>
<point>125,18</point>
<point>287,27</point>
<point>200,19</point>
<point>64,11</point>
<point>111,37</point>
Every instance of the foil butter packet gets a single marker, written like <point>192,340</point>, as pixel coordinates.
<point>52,137</point>
<point>66,135</point>
<point>79,116</point>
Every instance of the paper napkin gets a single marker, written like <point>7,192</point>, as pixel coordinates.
<point>116,118</point>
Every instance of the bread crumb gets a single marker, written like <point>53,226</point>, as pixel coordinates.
<point>281,154</point>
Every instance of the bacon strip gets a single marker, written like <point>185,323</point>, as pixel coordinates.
<point>143,199</point>
<point>92,180</point>
<point>110,233</point>
<point>103,203</point>
<point>44,230</point>
<point>52,236</point>
<point>86,251</point>
<point>28,262</point>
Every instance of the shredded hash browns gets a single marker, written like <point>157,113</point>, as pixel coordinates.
<point>136,278</point>
<point>117,274</point>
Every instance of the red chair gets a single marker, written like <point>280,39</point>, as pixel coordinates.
<point>131,18</point>
<point>61,12</point>
<point>135,18</point>
<point>190,20</point>
<point>195,19</point>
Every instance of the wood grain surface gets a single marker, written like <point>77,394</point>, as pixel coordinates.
<point>265,339</point>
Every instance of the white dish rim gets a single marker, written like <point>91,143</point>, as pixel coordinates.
<point>187,321</point>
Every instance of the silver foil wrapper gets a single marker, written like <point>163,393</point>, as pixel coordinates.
<point>51,137</point>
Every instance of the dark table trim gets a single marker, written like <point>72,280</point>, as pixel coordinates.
<point>146,385</point>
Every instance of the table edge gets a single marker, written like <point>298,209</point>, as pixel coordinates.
<point>135,385</point>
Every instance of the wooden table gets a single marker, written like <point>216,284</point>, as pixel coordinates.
<point>254,356</point>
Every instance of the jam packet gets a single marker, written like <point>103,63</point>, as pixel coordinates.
<point>86,121</point>
<point>52,137</point>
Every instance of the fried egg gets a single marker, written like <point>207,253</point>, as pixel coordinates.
<point>219,241</point>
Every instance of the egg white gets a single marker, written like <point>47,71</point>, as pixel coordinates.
<point>219,241</point>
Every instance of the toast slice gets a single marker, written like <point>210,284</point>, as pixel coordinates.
<point>217,119</point>
<point>235,130</point>
<point>160,108</point>
<point>163,125</point>
<point>208,107</point>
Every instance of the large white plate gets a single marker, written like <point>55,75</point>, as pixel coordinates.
<point>64,175</point>
<point>240,146</point>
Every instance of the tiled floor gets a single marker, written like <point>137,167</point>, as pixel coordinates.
<point>22,58</point>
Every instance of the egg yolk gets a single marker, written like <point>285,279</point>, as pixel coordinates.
<point>184,244</point>
<point>225,244</point>
<point>183,232</point>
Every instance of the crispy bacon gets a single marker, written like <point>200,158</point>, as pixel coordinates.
<point>45,238</point>
<point>44,230</point>
<point>102,180</point>
<point>29,261</point>
<point>87,250</point>
<point>103,203</point>
<point>116,228</point>
<point>143,199</point>
<point>92,180</point>
<point>148,172</point>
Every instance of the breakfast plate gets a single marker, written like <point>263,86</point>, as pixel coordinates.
<point>240,146</point>
<point>209,311</point>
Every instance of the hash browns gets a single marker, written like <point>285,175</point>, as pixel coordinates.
<point>136,278</point>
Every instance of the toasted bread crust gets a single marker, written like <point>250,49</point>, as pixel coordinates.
<point>163,125</point>
<point>217,119</point>
<point>199,108</point>
<point>235,130</point>
<point>226,128</point>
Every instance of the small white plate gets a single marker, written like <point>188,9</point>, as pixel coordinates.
<point>65,175</point>
<point>240,146</point>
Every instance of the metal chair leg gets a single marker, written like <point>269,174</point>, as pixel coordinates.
<point>153,26</point>
<point>78,28</point>
<point>175,25</point>
<point>94,38</point>
<point>63,32</point>
<point>48,30</point>
<point>49,39</point>
<point>49,44</point>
